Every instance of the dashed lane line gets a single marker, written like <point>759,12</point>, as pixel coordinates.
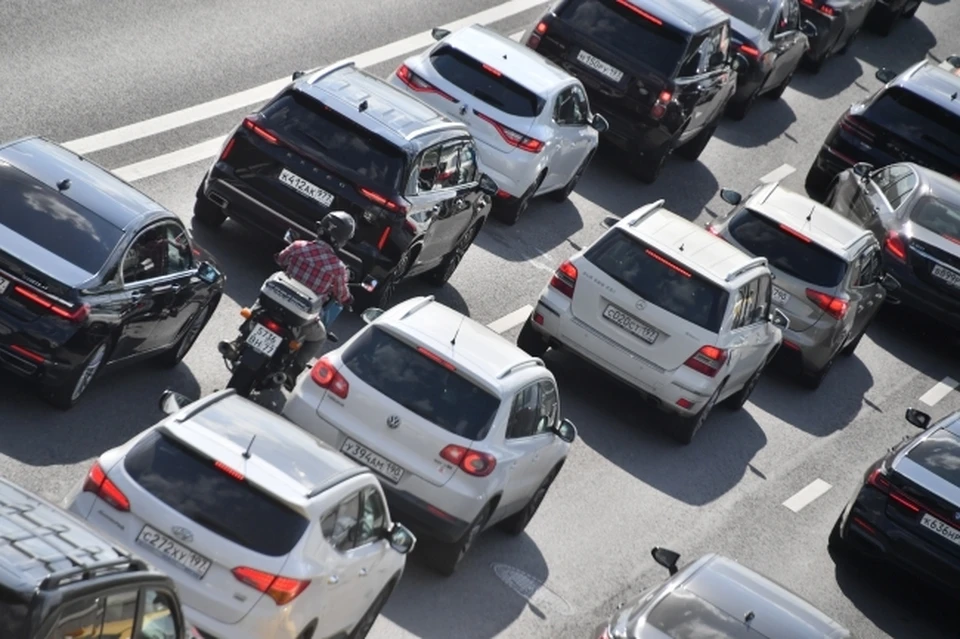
<point>511,320</point>
<point>807,495</point>
<point>777,174</point>
<point>939,391</point>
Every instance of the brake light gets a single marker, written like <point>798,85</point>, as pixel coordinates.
<point>469,461</point>
<point>640,12</point>
<point>20,350</point>
<point>511,137</point>
<point>753,52</point>
<point>659,108</point>
<point>565,279</point>
<point>796,234</point>
<point>98,484</point>
<point>248,123</point>
<point>878,479</point>
<point>271,325</point>
<point>282,590</point>
<point>822,8</point>
<point>436,358</point>
<point>833,306</point>
<point>227,148</point>
<point>376,198</point>
<point>708,360</point>
<point>534,40</point>
<point>76,314</point>
<point>895,246</point>
<point>491,70</point>
<point>418,84</point>
<point>667,263</point>
<point>905,501</point>
<point>219,465</point>
<point>325,375</point>
<point>857,127</point>
<point>383,239</point>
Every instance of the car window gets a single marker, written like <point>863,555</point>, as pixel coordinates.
<point>119,615</point>
<point>411,377</point>
<point>468,163</point>
<point>372,517</point>
<point>918,120</point>
<point>869,264</point>
<point>691,61</point>
<point>525,413</point>
<point>158,621</point>
<point>683,615</point>
<point>764,291</point>
<point>861,209</point>
<point>79,619</point>
<point>902,183</point>
<point>158,251</point>
<point>428,170</point>
<point>485,83</point>
<point>549,407</point>
<point>709,46</point>
<point>745,308</point>
<point>792,14</point>
<point>448,170</point>
<point>570,108</point>
<point>940,454</point>
<point>754,13</point>
<point>938,216</point>
<point>339,526</point>
<point>179,251</point>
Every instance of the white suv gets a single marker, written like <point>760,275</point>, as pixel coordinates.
<point>531,118</point>
<point>463,426</point>
<point>668,308</point>
<point>266,531</point>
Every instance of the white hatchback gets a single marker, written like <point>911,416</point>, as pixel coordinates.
<point>531,119</point>
<point>463,427</point>
<point>265,530</point>
<point>668,308</point>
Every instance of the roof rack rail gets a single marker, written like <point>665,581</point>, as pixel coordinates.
<point>337,479</point>
<point>196,406</point>
<point>431,128</point>
<point>322,72</point>
<point>424,302</point>
<point>86,572</point>
<point>645,211</point>
<point>752,264</point>
<point>532,361</point>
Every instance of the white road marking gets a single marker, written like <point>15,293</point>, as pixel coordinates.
<point>815,489</point>
<point>516,36</point>
<point>241,99</point>
<point>938,392</point>
<point>510,320</point>
<point>777,174</point>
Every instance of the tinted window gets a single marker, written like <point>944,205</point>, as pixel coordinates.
<point>54,222</point>
<point>917,120</point>
<point>13,615</point>
<point>158,621</point>
<point>681,615</point>
<point>193,486</point>
<point>119,615</point>
<point>79,619</point>
<point>421,385</point>
<point>756,14</point>
<point>938,216</point>
<point>335,140</point>
<point>784,250</point>
<point>940,454</point>
<point>626,32</point>
<point>496,90</point>
<point>645,272</point>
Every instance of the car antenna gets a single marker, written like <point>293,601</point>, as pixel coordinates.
<point>749,617</point>
<point>453,342</point>
<point>246,453</point>
<point>810,214</point>
<point>363,106</point>
<point>63,185</point>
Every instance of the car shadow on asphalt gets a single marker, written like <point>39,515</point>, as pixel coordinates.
<point>839,72</point>
<point>907,44</point>
<point>766,121</point>
<point>544,226</point>
<point>916,340</point>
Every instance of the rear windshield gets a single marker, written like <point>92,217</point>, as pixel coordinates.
<point>682,615</point>
<point>336,140</point>
<point>757,14</point>
<point>794,256</point>
<point>421,385</point>
<point>917,120</point>
<point>628,33</point>
<point>194,487</point>
<point>13,615</point>
<point>940,454</point>
<point>649,275</point>
<point>938,216</point>
<point>491,87</point>
<point>31,210</point>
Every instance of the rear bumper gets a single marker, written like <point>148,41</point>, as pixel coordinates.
<point>920,296</point>
<point>828,30</point>
<point>22,359</point>
<point>422,518</point>
<point>509,170</point>
<point>812,348</point>
<point>260,622</point>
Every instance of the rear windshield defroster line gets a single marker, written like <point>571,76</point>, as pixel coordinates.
<point>233,509</point>
<point>416,382</point>
<point>492,87</point>
<point>641,269</point>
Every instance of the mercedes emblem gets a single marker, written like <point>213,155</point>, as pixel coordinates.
<point>182,534</point>
<point>393,421</point>
<point>641,305</point>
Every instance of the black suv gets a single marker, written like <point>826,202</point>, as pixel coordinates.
<point>343,139</point>
<point>660,73</point>
<point>913,118</point>
<point>59,578</point>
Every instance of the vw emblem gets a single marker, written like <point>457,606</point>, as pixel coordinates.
<point>182,534</point>
<point>641,305</point>
<point>956,516</point>
<point>393,421</point>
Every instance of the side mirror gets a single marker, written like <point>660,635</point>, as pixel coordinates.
<point>297,75</point>
<point>371,314</point>
<point>918,418</point>
<point>889,282</point>
<point>809,29</point>
<point>666,558</point>
<point>716,59</point>
<point>599,123</point>
<point>566,431</point>
<point>207,272</point>
<point>439,34</point>
<point>739,62</point>
<point>369,283</point>
<point>401,539</point>
<point>291,236</point>
<point>885,75</point>
<point>730,196</point>
<point>953,61</point>
<point>862,169</point>
<point>172,401</point>
<point>488,185</point>
<point>778,319</point>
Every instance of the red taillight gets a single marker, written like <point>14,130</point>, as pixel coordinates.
<point>905,501</point>
<point>832,306</point>
<point>822,8</point>
<point>491,70</point>
<point>895,246</point>
<point>248,123</point>
<point>511,137</point>
<point>271,325</point>
<point>282,590</point>
<point>325,375</point>
<point>388,204</point>
<point>857,127</point>
<point>469,461</point>
<point>436,358</point>
<point>502,194</point>
<point>713,230</point>
<point>753,52</point>
<point>418,84</point>
<point>34,357</point>
<point>219,465</point>
<point>708,360</point>
<point>98,484</point>
<point>796,234</point>
<point>565,279</point>
<point>878,479</point>
<point>228,148</point>
<point>659,108</point>
<point>534,40</point>
<point>667,263</point>
<point>640,12</point>
<point>76,314</point>
<point>383,239</point>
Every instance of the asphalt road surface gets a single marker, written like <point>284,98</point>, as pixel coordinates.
<point>122,81</point>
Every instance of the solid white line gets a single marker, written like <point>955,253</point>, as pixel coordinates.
<point>807,495</point>
<point>241,99</point>
<point>510,320</point>
<point>938,392</point>
<point>170,161</point>
<point>777,174</point>
<point>516,36</point>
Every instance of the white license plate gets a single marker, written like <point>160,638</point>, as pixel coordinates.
<point>371,459</point>
<point>4,283</point>
<point>263,340</point>
<point>599,66</point>
<point>947,532</point>
<point>780,296</point>
<point>174,552</point>
<point>305,188</point>
<point>629,323</point>
<point>949,276</point>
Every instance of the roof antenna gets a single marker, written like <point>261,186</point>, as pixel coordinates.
<point>246,453</point>
<point>749,617</point>
<point>810,214</point>
<point>681,247</point>
<point>364,106</point>
<point>63,185</point>
<point>453,342</point>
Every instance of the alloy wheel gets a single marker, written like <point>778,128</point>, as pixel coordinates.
<point>89,372</point>
<point>193,332</point>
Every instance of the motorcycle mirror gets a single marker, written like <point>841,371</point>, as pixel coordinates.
<point>369,283</point>
<point>291,236</point>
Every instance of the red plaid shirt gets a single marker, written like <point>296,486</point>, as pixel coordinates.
<point>317,266</point>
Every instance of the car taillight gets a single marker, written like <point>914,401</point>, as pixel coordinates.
<point>878,479</point>
<point>825,9</point>
<point>469,461</point>
<point>797,234</point>
<point>511,137</point>
<point>895,246</point>
<point>857,127</point>
<point>282,590</point>
<point>236,474</point>
<point>418,84</point>
<point>74,314</point>
<point>713,230</point>
<point>640,12</point>
<point>251,125</point>
<point>708,360</point>
<point>659,108</point>
<point>433,357</point>
<point>534,40</point>
<point>271,325</point>
<point>325,375</point>
<point>565,279</point>
<point>747,50</point>
<point>386,203</point>
<point>832,306</point>
<point>227,148</point>
<point>670,265</point>
<point>98,484</point>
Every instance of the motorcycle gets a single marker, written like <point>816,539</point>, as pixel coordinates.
<point>263,355</point>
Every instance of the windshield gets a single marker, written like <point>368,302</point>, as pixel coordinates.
<point>918,121</point>
<point>938,216</point>
<point>493,88</point>
<point>756,13</point>
<point>683,615</point>
<point>940,454</point>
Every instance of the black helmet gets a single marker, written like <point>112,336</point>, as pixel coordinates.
<point>336,228</point>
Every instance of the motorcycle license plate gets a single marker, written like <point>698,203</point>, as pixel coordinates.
<point>263,340</point>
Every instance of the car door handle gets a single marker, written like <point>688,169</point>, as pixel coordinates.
<point>363,572</point>
<point>136,295</point>
<point>333,580</point>
<point>166,288</point>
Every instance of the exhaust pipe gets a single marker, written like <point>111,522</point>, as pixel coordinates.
<point>217,199</point>
<point>277,380</point>
<point>228,350</point>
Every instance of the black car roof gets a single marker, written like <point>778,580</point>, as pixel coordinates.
<point>932,83</point>
<point>687,15</point>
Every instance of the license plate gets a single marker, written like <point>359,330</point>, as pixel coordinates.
<point>949,276</point>
<point>4,283</point>
<point>780,296</point>
<point>947,532</point>
<point>174,552</point>
<point>631,324</point>
<point>263,340</point>
<point>305,188</point>
<point>599,66</point>
<point>371,459</point>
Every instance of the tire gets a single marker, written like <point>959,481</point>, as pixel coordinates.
<point>647,170</point>
<point>690,426</point>
<point>911,12</point>
<point>509,212</point>
<point>66,395</point>
<point>691,150</point>
<point>446,557</point>
<point>848,350</point>
<point>814,379</point>
<point>777,93</point>
<point>362,629</point>
<point>816,183</point>
<point>243,380</point>
<point>737,400</point>
<point>382,295</point>
<point>444,271</point>
<point>175,354</point>
<point>530,342</point>
<point>561,195</point>
<point>515,524</point>
<point>882,23</point>
<point>738,110</point>
<point>813,65</point>
<point>208,213</point>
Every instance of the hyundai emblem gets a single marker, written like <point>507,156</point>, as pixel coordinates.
<point>393,421</point>
<point>182,534</point>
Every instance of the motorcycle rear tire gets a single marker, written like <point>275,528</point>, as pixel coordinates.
<point>243,379</point>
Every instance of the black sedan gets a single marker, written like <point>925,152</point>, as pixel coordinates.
<point>770,41</point>
<point>92,272</point>
<point>885,14</point>
<point>907,511</point>
<point>838,22</point>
